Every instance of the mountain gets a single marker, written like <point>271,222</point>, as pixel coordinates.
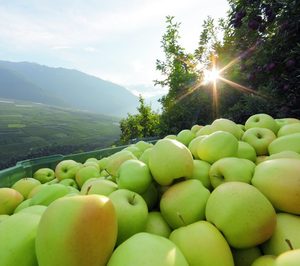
<point>64,87</point>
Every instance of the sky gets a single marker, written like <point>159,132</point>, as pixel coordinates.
<point>116,40</point>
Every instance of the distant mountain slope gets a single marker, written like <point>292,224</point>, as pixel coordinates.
<point>75,88</point>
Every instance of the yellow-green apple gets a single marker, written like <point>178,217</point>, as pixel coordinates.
<point>9,200</point>
<point>100,187</point>
<point>288,258</point>
<point>205,130</point>
<point>85,236</point>
<point>35,190</point>
<point>44,175</point>
<point>25,185</point>
<point>195,128</point>
<point>245,256</point>
<point>289,129</point>
<point>24,204</point>
<point>285,143</point>
<point>185,136</point>
<point>147,249</point>
<point>131,211</point>
<point>69,182</point>
<point>265,260</point>
<point>157,225</point>
<point>17,239</point>
<point>143,145</point>
<point>93,164</point>
<point>85,173</point>
<point>145,156</point>
<point>134,175</point>
<point>53,181</point>
<point>246,151</point>
<point>223,124</point>
<point>36,209</point>
<point>169,160</point>
<point>184,203</point>
<point>279,181</point>
<point>231,169</point>
<point>285,236</point>
<point>242,127</point>
<point>262,121</point>
<point>3,217</point>
<point>259,139</point>
<point>201,172</point>
<point>284,154</point>
<point>232,208</point>
<point>115,161</point>
<point>87,183</point>
<point>285,121</point>
<point>202,244</point>
<point>217,145</point>
<point>92,159</point>
<point>151,196</point>
<point>171,136</point>
<point>48,194</point>
<point>193,146</point>
<point>102,163</point>
<point>134,150</point>
<point>67,169</point>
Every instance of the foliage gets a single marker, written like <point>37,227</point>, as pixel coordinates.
<point>143,124</point>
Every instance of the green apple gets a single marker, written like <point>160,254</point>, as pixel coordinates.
<point>223,124</point>
<point>285,236</point>
<point>78,230</point>
<point>171,136</point>
<point>201,172</point>
<point>265,260</point>
<point>285,121</point>
<point>262,121</point>
<point>67,169</point>
<point>44,175</point>
<point>85,173</point>
<point>246,151</point>
<point>157,225</point>
<point>284,154</point>
<point>37,209</point>
<point>69,182</point>
<point>231,169</point>
<point>289,258</point>
<point>279,181</point>
<point>151,196</point>
<point>17,239</point>
<point>245,256</point>
<point>169,160</point>
<point>147,249</point>
<point>193,146</point>
<point>134,175</point>
<point>206,130</point>
<point>217,145</point>
<point>115,161</point>
<point>145,156</point>
<point>35,190</point>
<point>87,183</point>
<point>233,208</point>
<point>261,158</point>
<point>202,244</point>
<point>195,128</point>
<point>24,204</point>
<point>92,159</point>
<point>100,187</point>
<point>134,150</point>
<point>9,200</point>
<point>184,203</point>
<point>102,163</point>
<point>289,129</point>
<point>93,164</point>
<point>25,185</point>
<point>3,217</point>
<point>285,143</point>
<point>185,136</point>
<point>132,213</point>
<point>53,181</point>
<point>259,139</point>
<point>242,127</point>
<point>143,145</point>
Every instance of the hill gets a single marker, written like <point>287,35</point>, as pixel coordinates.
<point>65,88</point>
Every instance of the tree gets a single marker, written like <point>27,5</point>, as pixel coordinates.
<point>141,125</point>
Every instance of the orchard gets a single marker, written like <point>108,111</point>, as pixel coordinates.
<point>219,194</point>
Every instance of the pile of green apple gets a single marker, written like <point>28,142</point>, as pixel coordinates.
<point>222,194</point>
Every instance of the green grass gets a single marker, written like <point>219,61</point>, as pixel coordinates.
<point>41,130</point>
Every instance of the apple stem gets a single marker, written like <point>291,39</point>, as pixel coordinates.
<point>88,189</point>
<point>132,199</point>
<point>181,218</point>
<point>289,244</point>
<point>107,172</point>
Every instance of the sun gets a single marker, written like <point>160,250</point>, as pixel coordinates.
<point>211,75</point>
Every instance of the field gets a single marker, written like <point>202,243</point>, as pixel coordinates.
<point>30,130</point>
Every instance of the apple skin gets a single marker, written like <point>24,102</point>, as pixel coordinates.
<point>202,244</point>
<point>201,172</point>
<point>36,209</point>
<point>143,145</point>
<point>184,203</point>
<point>25,185</point>
<point>286,121</point>
<point>69,182</point>
<point>85,173</point>
<point>102,163</point>
<point>67,169</point>
<point>134,175</point>
<point>217,145</point>
<point>223,124</point>
<point>147,249</point>
<point>134,150</point>
<point>17,239</point>
<point>185,136</point>
<point>3,217</point>
<point>231,169</point>
<point>169,160</point>
<point>9,200</point>
<point>289,129</point>
<point>289,258</point>
<point>44,175</point>
<point>206,130</point>
<point>89,224</point>
<point>170,137</point>
<point>246,151</point>
<point>232,208</point>
<point>259,139</point>
<point>194,144</point>
<point>265,260</point>
<point>261,158</point>
<point>145,156</point>
<point>262,121</point>
<point>285,143</point>
<point>279,181</point>
<point>24,204</point>
<point>99,187</point>
<point>132,213</point>
<point>245,256</point>
<point>284,154</point>
<point>157,225</point>
<point>287,228</point>
<point>195,128</point>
